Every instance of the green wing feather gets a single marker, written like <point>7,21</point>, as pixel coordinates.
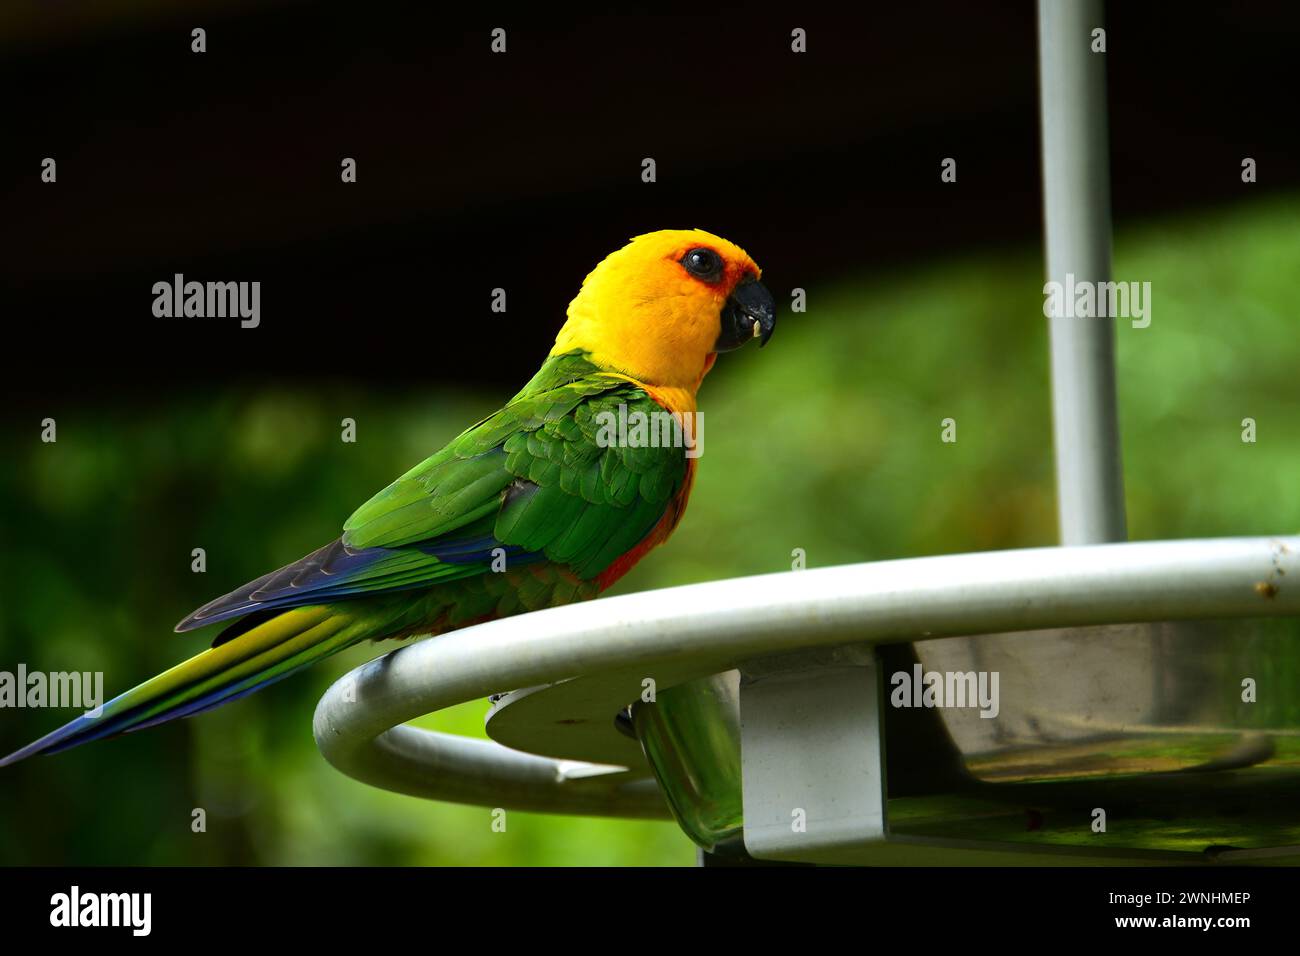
<point>538,466</point>
<point>534,477</point>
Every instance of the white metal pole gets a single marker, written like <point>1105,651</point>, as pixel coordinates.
<point>1076,205</point>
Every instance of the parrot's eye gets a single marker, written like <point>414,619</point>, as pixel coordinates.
<point>704,264</point>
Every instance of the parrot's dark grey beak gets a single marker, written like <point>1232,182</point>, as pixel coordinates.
<point>750,313</point>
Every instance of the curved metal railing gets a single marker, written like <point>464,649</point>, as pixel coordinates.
<point>680,633</point>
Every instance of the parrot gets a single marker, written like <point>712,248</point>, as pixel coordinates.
<point>532,507</point>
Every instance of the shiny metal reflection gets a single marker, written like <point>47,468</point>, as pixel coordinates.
<point>1190,729</point>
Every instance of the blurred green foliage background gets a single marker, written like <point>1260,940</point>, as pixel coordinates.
<point>827,441</point>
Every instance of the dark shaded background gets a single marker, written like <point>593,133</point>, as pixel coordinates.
<point>521,171</point>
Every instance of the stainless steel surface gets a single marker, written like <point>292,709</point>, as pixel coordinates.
<point>689,632</point>
<point>1076,212</point>
<point>577,714</point>
<point>1129,699</point>
<point>1164,743</point>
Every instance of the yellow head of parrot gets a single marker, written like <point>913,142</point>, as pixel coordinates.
<point>661,308</point>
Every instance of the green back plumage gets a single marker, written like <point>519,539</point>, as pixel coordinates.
<point>538,473</point>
